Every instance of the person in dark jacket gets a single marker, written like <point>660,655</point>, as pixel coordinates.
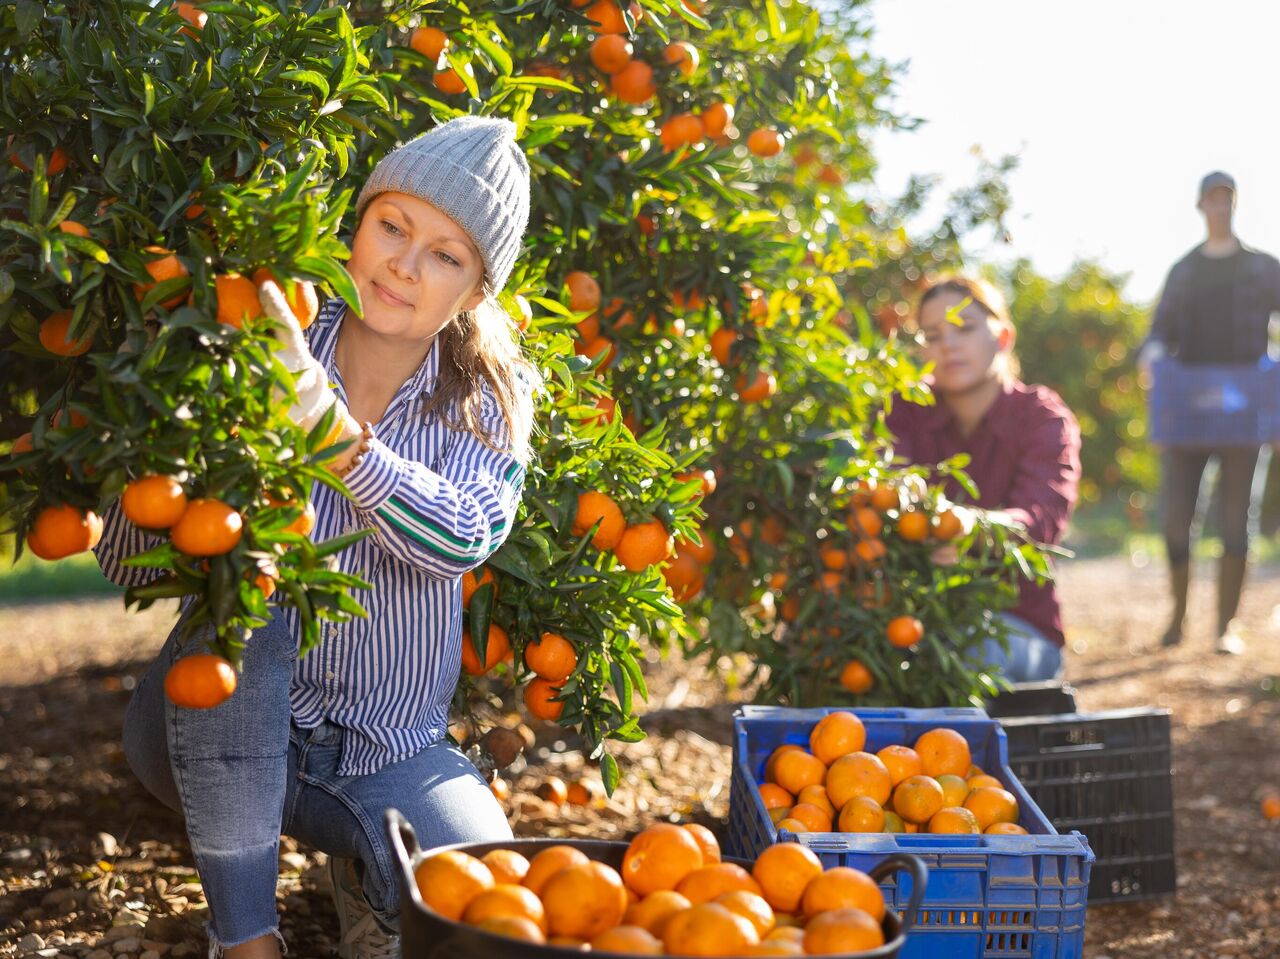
<point>1215,308</point>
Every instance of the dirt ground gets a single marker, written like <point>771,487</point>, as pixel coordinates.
<point>90,865</point>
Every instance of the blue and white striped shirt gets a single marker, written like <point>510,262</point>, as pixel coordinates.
<point>442,502</point>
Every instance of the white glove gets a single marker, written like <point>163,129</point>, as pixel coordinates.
<point>311,382</point>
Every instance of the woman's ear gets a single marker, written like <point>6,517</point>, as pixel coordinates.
<point>476,297</point>
<point>1006,336</point>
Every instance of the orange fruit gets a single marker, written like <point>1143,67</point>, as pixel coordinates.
<point>501,789</point>
<point>858,774</point>
<point>708,929</point>
<point>237,298</point>
<point>862,814</point>
<point>497,648</point>
<point>449,81</point>
<point>954,790</point>
<point>165,266</point>
<point>594,506</point>
<point>514,927</point>
<point>194,16</point>
<point>816,795</point>
<point>954,819</point>
<point>644,545</point>
<point>471,582</point>
<point>796,769</point>
<point>943,752</point>
<point>207,527</point>
<point>1271,806</point>
<point>304,523</point>
<point>901,761</point>
<point>200,681</point>
<point>885,498</point>
<point>813,817</point>
<point>507,865</point>
<point>659,857</point>
<point>548,862</point>
<point>893,822</point>
<point>685,576</point>
<point>631,940</point>
<point>23,444</point>
<point>57,160</point>
<point>837,734</point>
<point>722,341</point>
<point>585,792</point>
<point>1013,829</point>
<point>947,526</point>
<point>757,388</point>
<point>830,175</point>
<point>429,41</point>
<point>764,142</point>
<point>505,899</point>
<point>610,53</point>
<point>913,526</point>
<point>774,796</point>
<point>449,880</point>
<point>991,805</point>
<point>716,118</point>
<point>842,888</point>
<point>74,228</point>
<point>540,699</point>
<point>772,761</point>
<point>606,16</point>
<point>299,294</point>
<point>750,907</point>
<point>982,779</point>
<point>706,841</point>
<point>683,56</point>
<point>866,522</point>
<point>54,338</point>
<point>62,530</point>
<point>683,129</point>
<point>153,502</point>
<point>552,657</point>
<point>584,291</point>
<point>790,824</point>
<point>918,798</point>
<point>584,900</point>
<point>856,678</point>
<point>841,932</point>
<point>653,911</point>
<point>904,631</point>
<point>870,551</point>
<point>708,882</point>
<point>634,83</point>
<point>783,871</point>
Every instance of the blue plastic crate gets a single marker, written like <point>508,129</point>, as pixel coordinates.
<point>989,897</point>
<point>1196,405</point>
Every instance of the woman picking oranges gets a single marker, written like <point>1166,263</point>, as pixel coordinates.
<point>1023,443</point>
<point>438,401</point>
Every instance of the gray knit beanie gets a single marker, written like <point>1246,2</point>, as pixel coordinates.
<point>472,169</point>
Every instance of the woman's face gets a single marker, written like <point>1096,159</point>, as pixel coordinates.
<point>962,344</point>
<point>416,268</point>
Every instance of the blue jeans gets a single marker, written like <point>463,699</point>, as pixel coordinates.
<point>242,773</point>
<point>1031,657</point>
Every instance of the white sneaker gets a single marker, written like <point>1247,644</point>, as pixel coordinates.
<point>360,936</point>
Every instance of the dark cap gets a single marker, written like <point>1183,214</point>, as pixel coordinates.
<point>1215,179</point>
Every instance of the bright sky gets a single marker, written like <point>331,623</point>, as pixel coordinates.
<point>1116,109</point>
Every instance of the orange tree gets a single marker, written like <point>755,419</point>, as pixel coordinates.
<point>684,292</point>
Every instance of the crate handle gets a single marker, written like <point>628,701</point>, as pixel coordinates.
<point>404,848</point>
<point>919,881</point>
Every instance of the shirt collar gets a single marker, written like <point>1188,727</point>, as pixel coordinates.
<point>999,419</point>
<point>323,339</point>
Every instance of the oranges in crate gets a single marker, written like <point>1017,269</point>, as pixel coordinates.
<point>931,785</point>
<point>672,895</point>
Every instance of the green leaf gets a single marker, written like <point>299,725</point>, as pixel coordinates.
<point>311,78</point>
<point>609,773</point>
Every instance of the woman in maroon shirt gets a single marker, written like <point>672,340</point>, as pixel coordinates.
<point>1023,442</point>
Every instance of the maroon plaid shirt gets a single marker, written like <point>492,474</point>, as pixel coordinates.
<point>1025,460</point>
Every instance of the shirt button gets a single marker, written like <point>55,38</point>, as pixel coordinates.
<point>330,674</point>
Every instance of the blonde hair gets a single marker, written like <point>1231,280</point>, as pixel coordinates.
<point>477,349</point>
<point>980,292</point>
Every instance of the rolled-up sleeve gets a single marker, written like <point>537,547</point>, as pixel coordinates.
<point>120,540</point>
<point>1044,488</point>
<point>444,522</point>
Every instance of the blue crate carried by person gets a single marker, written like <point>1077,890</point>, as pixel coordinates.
<point>988,896</point>
<point>1209,405</point>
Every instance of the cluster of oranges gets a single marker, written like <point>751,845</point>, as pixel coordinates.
<point>636,546</point>
<point>932,786</point>
<point>674,895</point>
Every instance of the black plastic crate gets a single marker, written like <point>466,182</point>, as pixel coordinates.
<point>1110,776</point>
<point>1048,698</point>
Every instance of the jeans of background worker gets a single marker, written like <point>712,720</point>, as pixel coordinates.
<point>1181,476</point>
<point>1031,656</point>
<point>242,774</point>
